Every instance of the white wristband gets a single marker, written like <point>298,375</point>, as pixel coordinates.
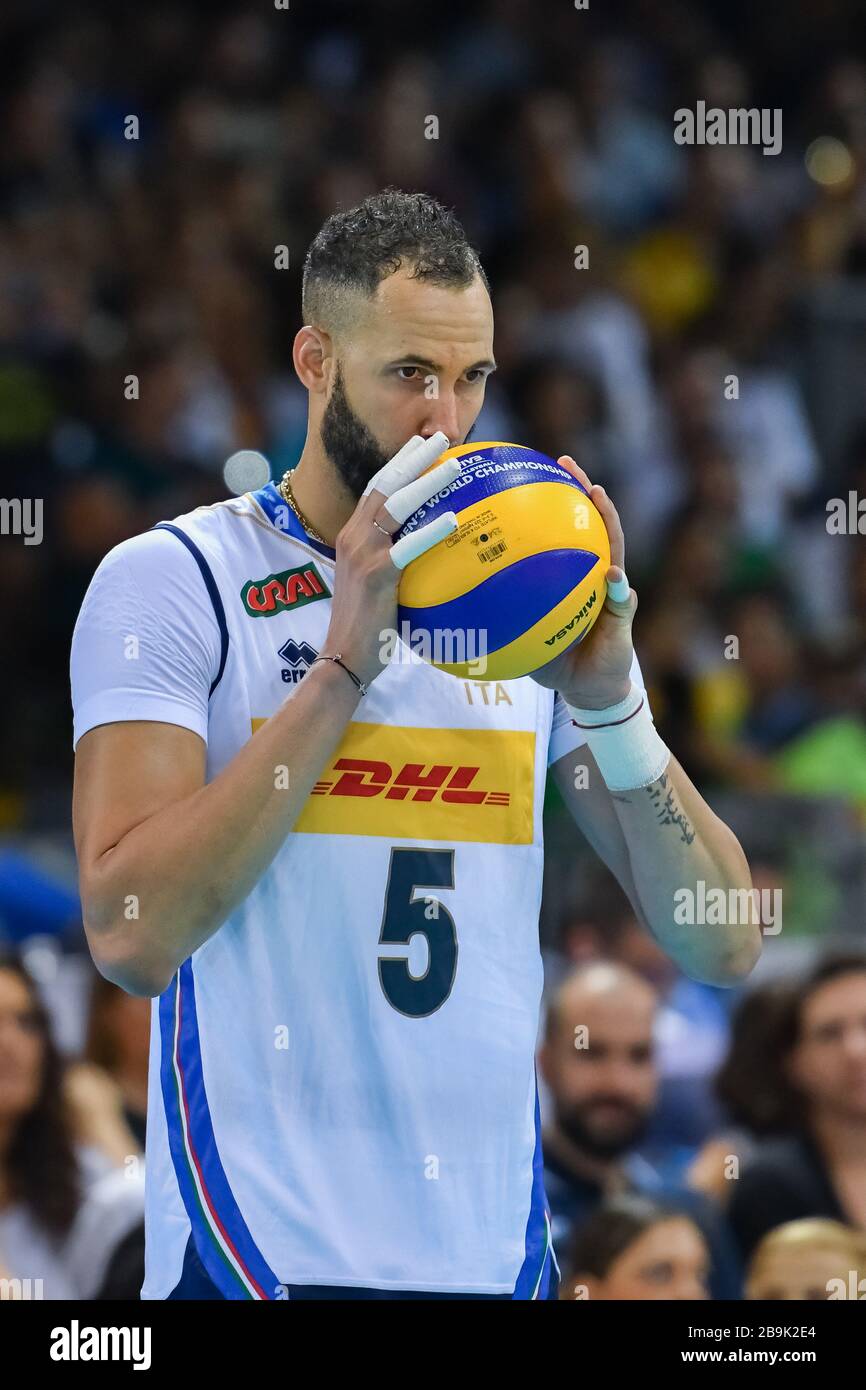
<point>624,742</point>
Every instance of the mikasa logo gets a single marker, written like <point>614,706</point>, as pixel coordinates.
<point>549,641</point>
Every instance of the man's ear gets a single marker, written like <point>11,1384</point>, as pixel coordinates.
<point>312,354</point>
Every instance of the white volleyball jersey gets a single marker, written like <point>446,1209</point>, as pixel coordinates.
<point>342,1083</point>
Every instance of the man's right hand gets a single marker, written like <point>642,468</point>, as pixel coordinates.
<point>369,563</point>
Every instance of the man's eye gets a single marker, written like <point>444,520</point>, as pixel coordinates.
<point>407,369</point>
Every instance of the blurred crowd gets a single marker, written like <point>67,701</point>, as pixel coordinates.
<point>156,257</point>
<point>769,1204</point>
<point>710,1143</point>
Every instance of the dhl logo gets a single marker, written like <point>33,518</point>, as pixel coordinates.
<point>429,784</point>
<point>365,777</point>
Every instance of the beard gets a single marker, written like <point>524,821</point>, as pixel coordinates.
<point>607,1139</point>
<point>352,448</point>
<point>347,441</point>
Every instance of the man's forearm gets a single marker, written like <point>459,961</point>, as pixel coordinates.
<point>189,865</point>
<point>682,857</point>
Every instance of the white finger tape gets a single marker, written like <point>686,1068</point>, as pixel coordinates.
<point>407,463</point>
<point>422,540</point>
<point>408,499</point>
<point>618,589</point>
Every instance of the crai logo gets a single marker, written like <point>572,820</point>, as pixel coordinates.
<point>262,598</point>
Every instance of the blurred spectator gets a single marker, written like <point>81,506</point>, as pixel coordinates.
<point>68,1217</point>
<point>808,1260</point>
<point>819,1167</point>
<point>147,314</point>
<point>634,1247</point>
<point>117,1044</point>
<point>690,1031</point>
<point>147,311</point>
<point>747,1086</point>
<point>32,902</point>
<point>597,1060</point>
<point>95,1102</point>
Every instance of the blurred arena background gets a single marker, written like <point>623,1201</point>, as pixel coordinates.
<point>159,256</point>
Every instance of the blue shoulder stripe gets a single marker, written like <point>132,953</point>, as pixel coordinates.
<point>281,516</point>
<point>214,593</point>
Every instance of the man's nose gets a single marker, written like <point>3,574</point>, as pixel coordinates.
<point>619,1078</point>
<point>442,415</point>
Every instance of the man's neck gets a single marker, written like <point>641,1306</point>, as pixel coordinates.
<point>605,1173</point>
<point>320,492</point>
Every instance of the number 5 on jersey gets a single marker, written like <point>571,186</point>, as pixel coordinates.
<point>404,916</point>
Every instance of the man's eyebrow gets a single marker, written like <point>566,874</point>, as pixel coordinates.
<point>410,358</point>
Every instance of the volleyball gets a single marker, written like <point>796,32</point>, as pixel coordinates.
<point>520,580</point>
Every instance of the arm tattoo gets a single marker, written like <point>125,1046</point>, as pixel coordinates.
<point>665,806</point>
<point>667,810</point>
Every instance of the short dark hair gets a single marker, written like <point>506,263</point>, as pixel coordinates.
<point>357,249</point>
<point>835,964</point>
<point>614,1226</point>
<point>753,1083</point>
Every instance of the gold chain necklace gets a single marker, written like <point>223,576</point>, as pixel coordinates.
<point>284,488</point>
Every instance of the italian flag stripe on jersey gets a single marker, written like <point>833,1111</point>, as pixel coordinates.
<point>222,1239</point>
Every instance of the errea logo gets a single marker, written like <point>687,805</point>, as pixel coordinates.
<point>262,598</point>
<point>299,657</point>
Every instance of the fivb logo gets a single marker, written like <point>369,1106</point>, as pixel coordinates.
<point>77,1343</point>
<point>736,126</point>
<point>718,907</point>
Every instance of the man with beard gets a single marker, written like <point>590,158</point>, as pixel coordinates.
<point>597,1060</point>
<point>322,856</point>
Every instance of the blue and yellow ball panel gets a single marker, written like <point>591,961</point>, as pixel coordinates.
<point>523,574</point>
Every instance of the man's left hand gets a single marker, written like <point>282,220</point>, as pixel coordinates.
<point>594,673</point>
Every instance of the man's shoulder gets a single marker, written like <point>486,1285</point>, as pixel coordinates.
<point>214,519</point>
<point>167,542</point>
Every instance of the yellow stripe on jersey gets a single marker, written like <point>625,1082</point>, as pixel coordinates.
<point>426,784</point>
